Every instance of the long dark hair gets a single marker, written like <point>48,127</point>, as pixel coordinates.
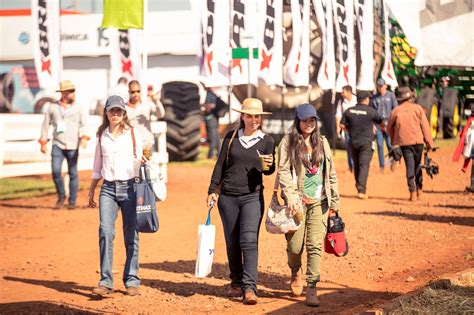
<point>297,148</point>
<point>124,124</point>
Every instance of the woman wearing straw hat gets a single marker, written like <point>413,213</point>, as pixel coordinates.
<point>246,154</point>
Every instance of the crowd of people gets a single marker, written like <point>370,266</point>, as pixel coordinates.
<point>305,171</point>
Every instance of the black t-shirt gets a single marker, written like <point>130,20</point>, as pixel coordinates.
<point>242,173</point>
<point>359,121</point>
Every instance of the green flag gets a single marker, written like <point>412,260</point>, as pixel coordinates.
<point>123,14</point>
<point>243,53</point>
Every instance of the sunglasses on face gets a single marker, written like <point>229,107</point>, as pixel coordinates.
<point>135,91</point>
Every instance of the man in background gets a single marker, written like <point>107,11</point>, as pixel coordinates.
<point>69,124</point>
<point>140,112</point>
<point>359,121</point>
<point>409,128</point>
<point>347,101</point>
<point>384,102</point>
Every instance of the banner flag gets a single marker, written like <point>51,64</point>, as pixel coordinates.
<point>297,64</point>
<point>123,14</point>
<point>344,16</point>
<point>388,74</point>
<point>270,42</point>
<point>215,53</point>
<point>364,10</point>
<point>441,31</point>
<point>46,42</point>
<point>243,17</point>
<point>125,53</point>
<point>327,70</point>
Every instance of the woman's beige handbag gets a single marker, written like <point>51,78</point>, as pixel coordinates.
<point>279,219</point>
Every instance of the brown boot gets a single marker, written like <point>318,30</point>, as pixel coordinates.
<point>250,298</point>
<point>296,283</point>
<point>412,196</point>
<point>311,296</point>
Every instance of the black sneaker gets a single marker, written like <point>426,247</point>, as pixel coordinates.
<point>59,203</point>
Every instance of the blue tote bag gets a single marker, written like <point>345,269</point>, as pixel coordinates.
<point>147,218</point>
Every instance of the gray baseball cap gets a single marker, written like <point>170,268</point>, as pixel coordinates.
<point>115,101</point>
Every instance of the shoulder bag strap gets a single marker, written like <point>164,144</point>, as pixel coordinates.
<point>230,143</point>
<point>134,144</point>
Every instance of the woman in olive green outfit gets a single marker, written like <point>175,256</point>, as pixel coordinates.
<point>305,153</point>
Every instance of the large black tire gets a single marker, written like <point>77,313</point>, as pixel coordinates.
<point>428,99</point>
<point>7,89</point>
<point>183,118</point>
<point>449,107</point>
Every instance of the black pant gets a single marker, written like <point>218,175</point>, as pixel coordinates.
<point>241,217</point>
<point>361,155</point>
<point>412,156</point>
<point>212,130</point>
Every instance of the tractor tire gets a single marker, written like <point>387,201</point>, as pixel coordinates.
<point>428,99</point>
<point>450,113</point>
<point>433,119</point>
<point>42,104</point>
<point>183,118</point>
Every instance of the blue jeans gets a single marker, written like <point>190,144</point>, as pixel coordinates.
<point>381,135</point>
<point>241,217</point>
<point>347,140</point>
<point>115,195</point>
<point>57,157</point>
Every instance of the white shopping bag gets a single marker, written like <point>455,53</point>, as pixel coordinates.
<point>205,248</point>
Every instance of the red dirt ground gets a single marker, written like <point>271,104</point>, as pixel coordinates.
<point>50,259</point>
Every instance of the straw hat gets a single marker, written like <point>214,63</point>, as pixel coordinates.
<point>66,85</point>
<point>252,106</point>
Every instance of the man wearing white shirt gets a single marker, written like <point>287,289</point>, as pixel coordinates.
<point>347,101</point>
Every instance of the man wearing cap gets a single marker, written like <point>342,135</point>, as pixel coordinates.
<point>347,101</point>
<point>359,121</point>
<point>409,128</point>
<point>69,124</point>
<point>211,120</point>
<point>384,102</point>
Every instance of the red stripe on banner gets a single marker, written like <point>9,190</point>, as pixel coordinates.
<point>266,60</point>
<point>298,64</point>
<point>209,60</point>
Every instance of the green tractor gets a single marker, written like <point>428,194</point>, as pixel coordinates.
<point>444,92</point>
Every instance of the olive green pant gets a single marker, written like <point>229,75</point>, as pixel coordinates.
<point>314,229</point>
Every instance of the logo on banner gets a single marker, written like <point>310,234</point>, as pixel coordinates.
<point>43,37</point>
<point>268,36</point>
<point>342,21</point>
<point>124,45</point>
<point>301,3</point>
<point>237,26</point>
<point>209,34</point>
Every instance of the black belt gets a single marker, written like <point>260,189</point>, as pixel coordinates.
<point>114,182</point>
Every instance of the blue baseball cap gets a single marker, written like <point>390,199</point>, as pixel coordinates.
<point>380,82</point>
<point>115,101</point>
<point>305,111</point>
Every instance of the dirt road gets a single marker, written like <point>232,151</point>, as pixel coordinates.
<point>49,259</point>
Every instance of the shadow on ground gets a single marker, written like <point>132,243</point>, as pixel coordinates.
<point>60,286</point>
<point>466,221</point>
<point>42,307</point>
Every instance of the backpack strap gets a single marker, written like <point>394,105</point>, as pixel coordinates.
<point>230,143</point>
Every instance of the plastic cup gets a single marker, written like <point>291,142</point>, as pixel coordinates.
<point>264,164</point>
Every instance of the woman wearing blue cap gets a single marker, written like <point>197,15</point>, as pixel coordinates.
<point>118,156</point>
<point>306,154</point>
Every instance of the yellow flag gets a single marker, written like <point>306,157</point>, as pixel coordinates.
<point>123,14</point>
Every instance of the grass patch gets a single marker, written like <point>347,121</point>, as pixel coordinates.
<point>449,300</point>
<point>15,188</point>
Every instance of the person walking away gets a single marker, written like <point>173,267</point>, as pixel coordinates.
<point>384,101</point>
<point>409,129</point>
<point>307,154</point>
<point>347,101</point>
<point>69,131</point>
<point>140,113</point>
<point>211,120</point>
<point>117,161</point>
<point>359,121</point>
<point>246,155</point>
<point>465,148</point>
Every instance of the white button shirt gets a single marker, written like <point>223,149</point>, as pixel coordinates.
<point>114,158</point>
